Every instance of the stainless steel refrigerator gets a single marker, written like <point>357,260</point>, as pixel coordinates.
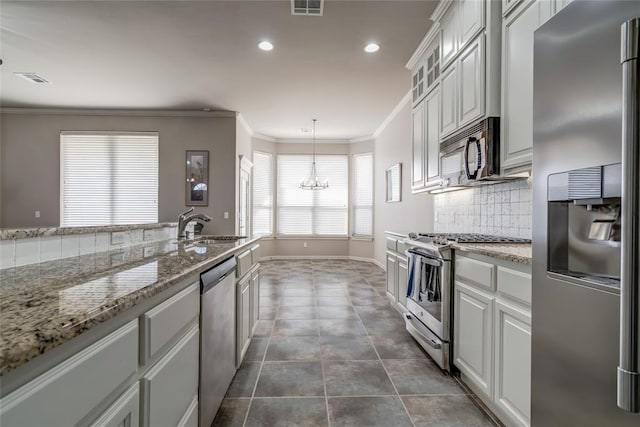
<point>586,230</point>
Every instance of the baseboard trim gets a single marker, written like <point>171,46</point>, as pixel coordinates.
<point>317,257</point>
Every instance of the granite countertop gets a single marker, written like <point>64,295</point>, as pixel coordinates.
<point>44,305</point>
<point>25,233</point>
<point>514,252</point>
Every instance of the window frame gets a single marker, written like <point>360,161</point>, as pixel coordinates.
<point>272,191</point>
<point>353,206</point>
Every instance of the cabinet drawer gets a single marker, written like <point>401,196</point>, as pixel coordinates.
<point>402,247</point>
<point>124,412</point>
<point>255,254</point>
<point>190,418</point>
<point>169,386</point>
<point>65,394</point>
<point>476,272</point>
<point>392,244</point>
<point>515,284</point>
<point>244,263</point>
<point>163,323</point>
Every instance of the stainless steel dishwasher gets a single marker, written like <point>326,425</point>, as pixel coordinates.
<point>217,337</point>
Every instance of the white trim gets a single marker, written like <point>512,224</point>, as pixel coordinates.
<point>308,140</point>
<point>439,11</point>
<point>120,112</point>
<point>244,124</point>
<point>264,137</point>
<point>363,138</point>
<point>404,101</point>
<point>379,264</point>
<point>431,35</point>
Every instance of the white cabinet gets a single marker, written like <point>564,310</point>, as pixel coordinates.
<point>517,81</point>
<point>470,20</point>
<point>125,412</point>
<point>243,317</point>
<point>417,146</point>
<point>492,333</point>
<point>392,275</point>
<point>255,297</point>
<point>425,170</point>
<point>513,361</point>
<point>170,385</point>
<point>69,392</point>
<point>449,35</point>
<point>473,329</point>
<point>417,82</point>
<point>471,84</point>
<point>403,272</point>
<point>448,101</point>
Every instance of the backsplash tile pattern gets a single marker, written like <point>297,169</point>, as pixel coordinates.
<point>500,209</point>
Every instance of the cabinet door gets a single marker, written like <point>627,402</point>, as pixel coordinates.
<point>449,36</point>
<point>561,4</point>
<point>125,412</point>
<point>471,89</point>
<point>473,332</point>
<point>513,362</point>
<point>392,274</point>
<point>255,298</point>
<point>517,80</point>
<point>403,272</point>
<point>243,319</point>
<point>470,19</point>
<point>417,144</point>
<point>170,385</point>
<point>432,114</point>
<point>448,101</point>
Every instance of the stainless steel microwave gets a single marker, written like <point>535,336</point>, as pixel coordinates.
<point>472,156</point>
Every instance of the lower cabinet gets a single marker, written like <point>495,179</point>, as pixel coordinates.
<point>403,274</point>
<point>392,275</point>
<point>492,334</point>
<point>513,361</point>
<point>124,412</point>
<point>255,296</point>
<point>243,317</point>
<point>473,328</point>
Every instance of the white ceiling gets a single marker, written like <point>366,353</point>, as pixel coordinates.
<point>203,54</point>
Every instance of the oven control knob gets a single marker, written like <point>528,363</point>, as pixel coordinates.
<point>422,314</point>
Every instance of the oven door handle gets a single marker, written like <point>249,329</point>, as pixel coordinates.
<point>432,343</point>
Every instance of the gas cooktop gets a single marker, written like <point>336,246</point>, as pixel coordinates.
<point>465,238</point>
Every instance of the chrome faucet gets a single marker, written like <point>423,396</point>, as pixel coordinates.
<point>184,220</point>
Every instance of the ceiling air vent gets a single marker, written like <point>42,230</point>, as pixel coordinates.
<point>33,77</point>
<point>307,7</point>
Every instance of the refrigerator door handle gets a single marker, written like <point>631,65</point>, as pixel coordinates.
<point>629,364</point>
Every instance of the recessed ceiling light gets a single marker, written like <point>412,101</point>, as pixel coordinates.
<point>265,45</point>
<point>372,47</point>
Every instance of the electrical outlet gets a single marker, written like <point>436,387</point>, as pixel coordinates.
<point>304,244</point>
<point>226,215</point>
<point>37,214</point>
<point>148,235</point>
<point>117,238</point>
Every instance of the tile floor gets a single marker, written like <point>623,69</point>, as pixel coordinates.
<point>329,350</point>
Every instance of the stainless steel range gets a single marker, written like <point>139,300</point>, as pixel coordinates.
<point>429,289</point>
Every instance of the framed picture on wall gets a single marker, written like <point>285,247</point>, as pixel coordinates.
<point>197,189</point>
<point>394,183</point>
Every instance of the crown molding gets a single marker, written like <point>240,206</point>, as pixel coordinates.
<point>404,101</point>
<point>264,137</point>
<point>440,10</point>
<point>115,112</point>
<point>308,140</point>
<point>244,124</point>
<point>362,138</point>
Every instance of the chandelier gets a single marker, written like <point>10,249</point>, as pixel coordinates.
<point>313,182</point>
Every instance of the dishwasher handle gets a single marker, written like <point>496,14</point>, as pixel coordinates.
<point>216,274</point>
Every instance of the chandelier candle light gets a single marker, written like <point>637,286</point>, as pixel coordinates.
<point>313,182</point>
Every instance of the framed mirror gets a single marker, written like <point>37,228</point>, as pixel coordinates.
<point>197,190</point>
<point>394,183</point>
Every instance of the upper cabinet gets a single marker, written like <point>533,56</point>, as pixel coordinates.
<point>522,19</point>
<point>425,72</point>
<point>470,35</point>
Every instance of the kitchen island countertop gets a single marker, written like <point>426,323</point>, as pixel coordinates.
<point>44,305</point>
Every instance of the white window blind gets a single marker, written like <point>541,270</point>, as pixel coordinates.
<point>108,178</point>
<point>363,194</point>
<point>262,194</point>
<point>313,212</point>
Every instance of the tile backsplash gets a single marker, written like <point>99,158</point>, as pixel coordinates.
<point>500,209</point>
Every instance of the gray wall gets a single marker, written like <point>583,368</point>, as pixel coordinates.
<point>30,163</point>
<point>415,211</point>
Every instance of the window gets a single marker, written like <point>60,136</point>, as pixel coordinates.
<point>262,194</point>
<point>309,212</point>
<point>363,195</point>
<point>108,178</point>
